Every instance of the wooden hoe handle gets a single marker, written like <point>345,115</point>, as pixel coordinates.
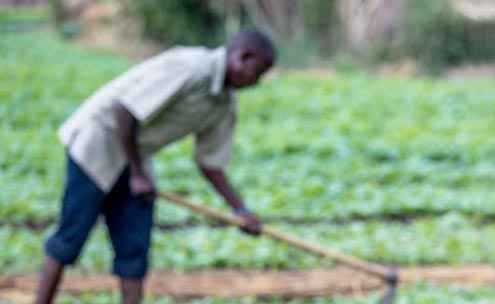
<point>374,269</point>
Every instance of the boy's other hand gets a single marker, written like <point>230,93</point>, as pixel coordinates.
<point>142,185</point>
<point>253,225</point>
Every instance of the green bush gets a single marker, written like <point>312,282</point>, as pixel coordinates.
<point>438,36</point>
<point>178,21</point>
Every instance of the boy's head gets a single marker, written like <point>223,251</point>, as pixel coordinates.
<point>249,55</point>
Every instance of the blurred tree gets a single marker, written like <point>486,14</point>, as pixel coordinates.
<point>312,30</point>
<point>438,36</point>
<point>66,14</point>
<point>370,21</point>
<point>65,10</point>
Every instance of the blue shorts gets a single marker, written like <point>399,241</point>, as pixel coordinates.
<point>129,221</point>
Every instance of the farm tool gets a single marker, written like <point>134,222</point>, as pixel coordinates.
<point>387,275</point>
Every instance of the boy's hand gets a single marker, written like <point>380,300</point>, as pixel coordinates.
<point>253,225</point>
<point>142,185</point>
<point>218,179</point>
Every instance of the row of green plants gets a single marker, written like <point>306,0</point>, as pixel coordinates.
<point>35,199</point>
<point>451,239</point>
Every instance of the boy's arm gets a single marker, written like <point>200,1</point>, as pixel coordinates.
<point>140,183</point>
<point>220,182</point>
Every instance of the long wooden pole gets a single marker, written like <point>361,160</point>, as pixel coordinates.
<point>374,269</point>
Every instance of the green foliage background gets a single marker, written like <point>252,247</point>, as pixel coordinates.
<point>342,156</point>
<point>396,171</point>
<point>439,37</point>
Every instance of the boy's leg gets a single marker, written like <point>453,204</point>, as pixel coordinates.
<point>129,220</point>
<point>82,203</point>
<point>51,273</point>
<point>132,290</point>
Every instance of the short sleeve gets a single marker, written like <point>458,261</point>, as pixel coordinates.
<point>213,147</point>
<point>146,97</point>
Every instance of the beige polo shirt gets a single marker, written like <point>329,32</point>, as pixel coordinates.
<point>176,93</point>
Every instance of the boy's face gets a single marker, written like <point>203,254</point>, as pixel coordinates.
<point>245,67</point>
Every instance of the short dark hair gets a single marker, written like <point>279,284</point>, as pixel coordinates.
<point>256,41</point>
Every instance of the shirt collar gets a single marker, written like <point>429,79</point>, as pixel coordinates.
<point>219,70</point>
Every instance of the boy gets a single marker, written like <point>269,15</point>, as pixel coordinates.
<point>109,139</point>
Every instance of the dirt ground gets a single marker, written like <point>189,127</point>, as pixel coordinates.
<point>184,285</point>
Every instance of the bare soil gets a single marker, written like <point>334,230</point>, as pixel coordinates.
<point>183,285</point>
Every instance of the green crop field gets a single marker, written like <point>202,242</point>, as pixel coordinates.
<point>398,171</point>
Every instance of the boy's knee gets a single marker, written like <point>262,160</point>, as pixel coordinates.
<point>135,266</point>
<point>65,253</point>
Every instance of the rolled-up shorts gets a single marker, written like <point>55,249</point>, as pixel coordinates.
<point>129,220</point>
